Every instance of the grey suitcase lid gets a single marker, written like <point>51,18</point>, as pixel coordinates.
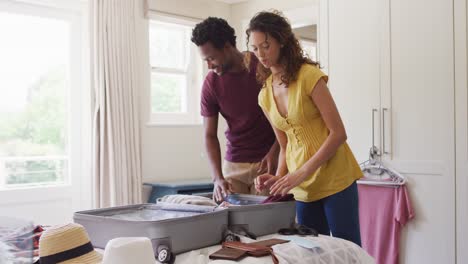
<point>106,213</point>
<point>254,202</point>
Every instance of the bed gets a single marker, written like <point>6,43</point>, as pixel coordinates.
<point>329,250</point>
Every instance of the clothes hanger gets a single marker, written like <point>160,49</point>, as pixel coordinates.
<point>377,170</point>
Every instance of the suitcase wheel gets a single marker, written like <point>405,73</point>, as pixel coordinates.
<point>164,254</point>
<point>231,238</point>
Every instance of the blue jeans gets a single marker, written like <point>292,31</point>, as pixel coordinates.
<point>338,213</point>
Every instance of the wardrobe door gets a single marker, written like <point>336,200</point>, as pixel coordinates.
<point>461,128</point>
<point>420,123</point>
<point>354,30</point>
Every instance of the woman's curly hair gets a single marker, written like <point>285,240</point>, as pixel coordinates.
<point>216,30</point>
<point>291,54</point>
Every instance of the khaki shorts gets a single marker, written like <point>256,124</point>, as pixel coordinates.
<point>241,177</point>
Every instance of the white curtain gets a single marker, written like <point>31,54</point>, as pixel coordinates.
<point>115,83</point>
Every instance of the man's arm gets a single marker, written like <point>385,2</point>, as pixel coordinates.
<point>213,149</point>
<point>212,146</point>
<point>269,163</point>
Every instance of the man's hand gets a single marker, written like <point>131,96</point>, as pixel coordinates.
<point>269,163</point>
<point>221,189</point>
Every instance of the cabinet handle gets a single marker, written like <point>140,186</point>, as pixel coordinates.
<point>383,131</point>
<point>373,126</point>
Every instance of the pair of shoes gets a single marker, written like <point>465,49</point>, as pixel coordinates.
<point>301,230</point>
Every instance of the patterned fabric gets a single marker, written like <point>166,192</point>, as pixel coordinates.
<point>331,251</point>
<point>21,243</point>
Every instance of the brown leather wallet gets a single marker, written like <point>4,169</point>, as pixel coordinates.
<point>252,250</point>
<point>228,254</point>
<point>265,243</point>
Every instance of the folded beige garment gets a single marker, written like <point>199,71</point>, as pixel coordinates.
<point>187,199</point>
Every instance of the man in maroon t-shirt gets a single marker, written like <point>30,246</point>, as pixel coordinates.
<point>231,89</point>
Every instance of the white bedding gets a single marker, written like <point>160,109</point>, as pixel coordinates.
<point>330,251</point>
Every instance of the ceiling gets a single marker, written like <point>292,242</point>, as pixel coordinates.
<point>232,1</point>
<point>307,32</point>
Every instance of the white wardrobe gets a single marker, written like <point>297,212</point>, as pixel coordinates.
<point>398,75</point>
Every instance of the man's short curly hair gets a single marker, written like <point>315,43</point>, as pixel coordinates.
<point>215,30</point>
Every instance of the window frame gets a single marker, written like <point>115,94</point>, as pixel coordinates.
<point>194,77</point>
<point>75,186</point>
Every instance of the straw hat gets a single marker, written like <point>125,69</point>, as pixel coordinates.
<point>67,244</point>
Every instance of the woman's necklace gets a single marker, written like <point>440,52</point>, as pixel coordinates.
<point>277,76</point>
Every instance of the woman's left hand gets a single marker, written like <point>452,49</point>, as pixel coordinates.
<point>286,183</point>
<point>269,163</point>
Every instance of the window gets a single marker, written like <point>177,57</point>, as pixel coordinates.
<point>38,65</point>
<point>176,72</point>
<point>310,48</point>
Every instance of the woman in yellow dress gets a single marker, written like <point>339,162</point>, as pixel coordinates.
<point>315,162</point>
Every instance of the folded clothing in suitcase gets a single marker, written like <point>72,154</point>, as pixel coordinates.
<point>172,228</point>
<point>257,218</point>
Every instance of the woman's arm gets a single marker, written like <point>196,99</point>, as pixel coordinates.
<point>337,136</point>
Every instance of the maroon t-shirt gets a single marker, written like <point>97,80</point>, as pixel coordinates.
<point>235,96</point>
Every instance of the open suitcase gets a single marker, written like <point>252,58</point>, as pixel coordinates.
<point>172,228</point>
<point>259,219</point>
